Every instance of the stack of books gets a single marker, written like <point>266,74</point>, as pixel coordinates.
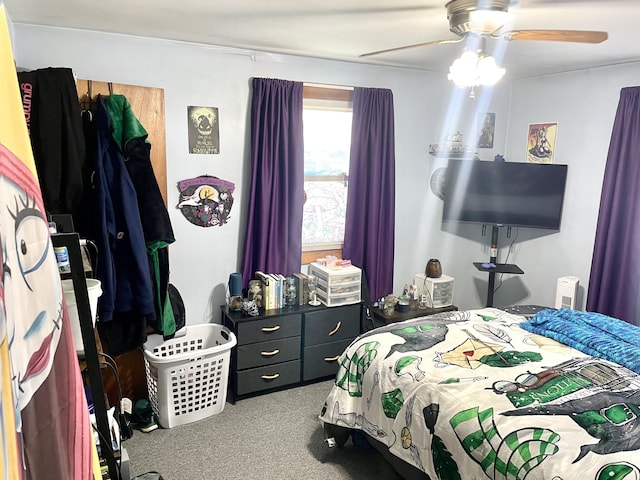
<point>274,289</point>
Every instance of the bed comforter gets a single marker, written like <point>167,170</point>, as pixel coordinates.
<point>472,395</point>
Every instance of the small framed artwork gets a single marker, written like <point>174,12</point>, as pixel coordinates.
<point>203,129</point>
<point>486,129</point>
<point>541,142</point>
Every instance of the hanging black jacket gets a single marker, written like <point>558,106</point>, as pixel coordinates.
<point>52,112</point>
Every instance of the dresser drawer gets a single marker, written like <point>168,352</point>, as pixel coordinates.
<point>267,353</point>
<point>331,325</point>
<point>322,360</point>
<point>266,329</point>
<point>336,276</point>
<point>335,300</point>
<point>340,288</point>
<point>264,378</point>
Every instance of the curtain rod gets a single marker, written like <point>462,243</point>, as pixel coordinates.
<point>326,85</point>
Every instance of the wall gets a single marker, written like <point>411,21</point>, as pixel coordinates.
<point>9,24</point>
<point>427,108</point>
<point>584,104</point>
<point>201,259</point>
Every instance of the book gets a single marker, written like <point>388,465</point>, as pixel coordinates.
<point>273,292</point>
<point>299,285</point>
<point>267,288</point>
<point>303,285</point>
<point>296,287</point>
<point>276,291</point>
<point>280,281</point>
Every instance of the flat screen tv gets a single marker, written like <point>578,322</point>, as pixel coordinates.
<point>504,193</point>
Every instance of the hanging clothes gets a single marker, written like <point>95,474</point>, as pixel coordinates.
<point>132,138</point>
<point>122,260</point>
<point>52,112</point>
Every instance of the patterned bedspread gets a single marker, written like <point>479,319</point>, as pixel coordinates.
<point>471,395</point>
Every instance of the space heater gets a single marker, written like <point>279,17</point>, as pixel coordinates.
<point>567,292</point>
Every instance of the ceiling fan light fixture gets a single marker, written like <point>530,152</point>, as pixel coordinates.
<point>488,70</point>
<point>487,21</point>
<point>474,69</point>
<point>479,16</point>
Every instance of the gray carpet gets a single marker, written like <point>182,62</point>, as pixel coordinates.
<point>270,437</point>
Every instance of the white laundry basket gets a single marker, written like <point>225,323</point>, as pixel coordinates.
<point>187,376</point>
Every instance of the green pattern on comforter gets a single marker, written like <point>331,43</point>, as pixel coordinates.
<point>444,394</point>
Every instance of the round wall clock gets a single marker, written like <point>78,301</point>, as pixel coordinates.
<point>437,182</point>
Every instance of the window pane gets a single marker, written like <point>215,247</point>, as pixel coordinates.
<point>327,137</point>
<point>327,140</point>
<point>324,213</point>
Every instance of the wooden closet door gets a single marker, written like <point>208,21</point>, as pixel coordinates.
<point>148,105</point>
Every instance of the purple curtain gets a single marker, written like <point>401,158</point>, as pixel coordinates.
<point>370,217</point>
<point>614,285</point>
<point>273,240</point>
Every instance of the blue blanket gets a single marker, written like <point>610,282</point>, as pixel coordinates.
<point>592,333</point>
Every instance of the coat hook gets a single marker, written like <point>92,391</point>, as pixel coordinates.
<point>110,85</point>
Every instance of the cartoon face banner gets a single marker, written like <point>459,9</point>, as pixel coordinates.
<point>40,379</point>
<point>206,201</point>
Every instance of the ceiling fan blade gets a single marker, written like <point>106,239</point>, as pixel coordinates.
<point>406,47</point>
<point>579,36</point>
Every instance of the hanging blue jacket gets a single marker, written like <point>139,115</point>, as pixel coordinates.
<point>132,138</point>
<point>123,267</point>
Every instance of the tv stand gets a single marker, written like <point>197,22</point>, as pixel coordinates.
<point>499,267</point>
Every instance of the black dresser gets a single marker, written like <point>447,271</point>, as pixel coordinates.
<point>288,347</point>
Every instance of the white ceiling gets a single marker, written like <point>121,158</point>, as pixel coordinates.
<point>345,29</point>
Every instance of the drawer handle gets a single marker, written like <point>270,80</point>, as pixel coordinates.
<point>331,359</point>
<point>271,329</point>
<point>270,377</point>
<point>332,332</point>
<point>270,354</point>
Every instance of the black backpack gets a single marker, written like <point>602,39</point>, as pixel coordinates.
<point>177,305</point>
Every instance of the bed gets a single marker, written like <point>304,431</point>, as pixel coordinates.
<point>487,394</point>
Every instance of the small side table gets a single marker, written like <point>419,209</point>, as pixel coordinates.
<point>496,268</point>
<point>380,319</point>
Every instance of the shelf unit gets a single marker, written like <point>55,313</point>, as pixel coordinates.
<point>499,267</point>
<point>77,275</point>
<point>337,286</point>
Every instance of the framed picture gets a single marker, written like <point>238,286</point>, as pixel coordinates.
<point>486,129</point>
<point>541,142</point>
<point>203,129</point>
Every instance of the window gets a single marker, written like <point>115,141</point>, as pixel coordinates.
<point>327,114</point>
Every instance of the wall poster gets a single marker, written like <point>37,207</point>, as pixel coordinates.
<point>541,142</point>
<point>486,127</point>
<point>204,137</point>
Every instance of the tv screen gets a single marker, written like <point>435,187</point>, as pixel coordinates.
<point>504,193</point>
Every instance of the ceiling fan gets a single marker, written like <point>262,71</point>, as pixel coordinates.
<point>486,18</point>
